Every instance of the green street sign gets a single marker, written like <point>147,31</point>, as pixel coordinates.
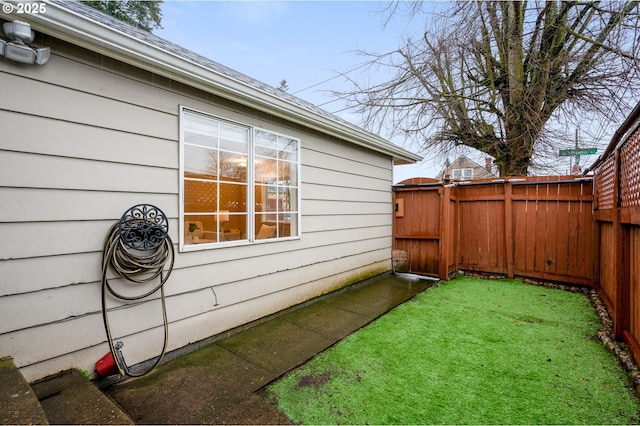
<point>577,151</point>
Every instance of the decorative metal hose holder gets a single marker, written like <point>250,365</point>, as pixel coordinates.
<point>138,248</point>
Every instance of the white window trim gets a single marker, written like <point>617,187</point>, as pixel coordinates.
<point>462,174</point>
<point>251,240</point>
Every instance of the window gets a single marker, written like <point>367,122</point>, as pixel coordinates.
<point>239,183</point>
<point>462,174</point>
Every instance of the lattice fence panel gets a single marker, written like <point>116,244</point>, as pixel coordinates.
<point>630,171</point>
<point>605,175</point>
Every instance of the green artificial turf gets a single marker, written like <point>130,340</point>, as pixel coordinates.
<point>469,351</point>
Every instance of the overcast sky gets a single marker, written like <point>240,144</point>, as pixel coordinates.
<point>307,43</point>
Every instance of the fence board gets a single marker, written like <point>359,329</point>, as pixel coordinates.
<point>634,280</point>
<point>607,270</point>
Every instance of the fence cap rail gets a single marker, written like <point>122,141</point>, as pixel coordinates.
<point>513,181</point>
<point>543,182</point>
<point>417,185</point>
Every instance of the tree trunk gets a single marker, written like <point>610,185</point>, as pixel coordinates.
<point>512,163</point>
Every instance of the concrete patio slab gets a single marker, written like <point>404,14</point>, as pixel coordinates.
<point>190,389</point>
<point>277,345</point>
<point>328,320</point>
<point>221,383</point>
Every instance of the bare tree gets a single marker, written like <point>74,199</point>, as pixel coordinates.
<point>493,75</point>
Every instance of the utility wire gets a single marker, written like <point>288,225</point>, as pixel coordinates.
<point>332,78</point>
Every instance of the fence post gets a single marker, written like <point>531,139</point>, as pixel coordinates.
<point>596,231</point>
<point>508,229</point>
<point>445,240</point>
<point>621,265</point>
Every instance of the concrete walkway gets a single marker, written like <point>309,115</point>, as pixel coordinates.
<point>222,382</point>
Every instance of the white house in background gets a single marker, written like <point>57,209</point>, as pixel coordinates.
<point>271,201</point>
<point>465,169</point>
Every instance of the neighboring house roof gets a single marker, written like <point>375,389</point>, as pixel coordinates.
<point>84,26</point>
<point>463,162</point>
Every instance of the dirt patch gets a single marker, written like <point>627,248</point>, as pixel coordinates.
<point>315,380</point>
<point>319,379</point>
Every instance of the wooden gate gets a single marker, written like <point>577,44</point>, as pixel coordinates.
<point>424,221</point>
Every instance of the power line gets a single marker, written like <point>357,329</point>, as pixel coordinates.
<point>317,84</point>
<point>342,74</point>
<point>340,110</point>
<point>336,99</point>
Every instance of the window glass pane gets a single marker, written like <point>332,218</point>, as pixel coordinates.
<point>234,138</point>
<point>266,170</point>
<point>266,152</point>
<point>235,228</point>
<point>288,149</point>
<point>200,229</point>
<point>288,173</point>
<point>200,162</point>
<point>293,225</point>
<point>199,196</point>
<point>200,139</point>
<point>233,198</point>
<point>261,198</point>
<point>233,167</point>
<point>266,144</point>
<point>197,123</point>
<point>273,198</point>
<point>275,226</point>
<point>285,225</point>
<point>288,199</point>
<point>281,199</point>
<point>266,229</point>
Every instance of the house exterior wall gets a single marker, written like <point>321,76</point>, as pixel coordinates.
<point>84,138</point>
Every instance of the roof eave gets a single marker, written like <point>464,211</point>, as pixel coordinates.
<point>72,27</point>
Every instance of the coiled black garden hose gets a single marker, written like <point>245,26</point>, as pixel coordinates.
<point>138,248</point>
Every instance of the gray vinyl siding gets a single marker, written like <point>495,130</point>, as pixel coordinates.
<point>83,139</point>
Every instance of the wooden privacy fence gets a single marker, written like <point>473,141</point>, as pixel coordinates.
<point>538,227</point>
<point>617,214</point>
<point>559,229</point>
